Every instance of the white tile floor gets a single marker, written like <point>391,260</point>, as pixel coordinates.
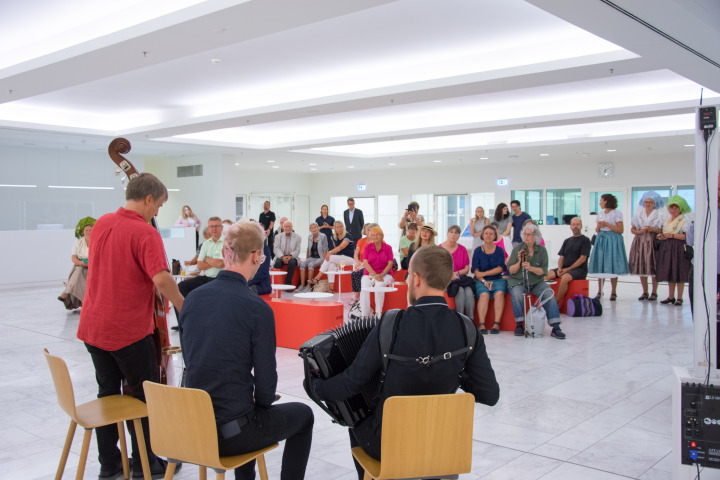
<point>595,406</point>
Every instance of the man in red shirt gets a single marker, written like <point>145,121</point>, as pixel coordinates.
<point>126,263</point>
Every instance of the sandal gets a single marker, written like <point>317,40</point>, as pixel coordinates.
<point>613,297</point>
<point>678,302</point>
<point>644,296</point>
<point>652,297</point>
<point>671,301</point>
<point>495,329</point>
<point>484,331</point>
<point>598,296</point>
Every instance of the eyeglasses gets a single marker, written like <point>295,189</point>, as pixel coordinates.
<point>215,226</point>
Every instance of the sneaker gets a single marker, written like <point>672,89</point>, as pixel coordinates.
<point>157,469</point>
<point>557,333</point>
<point>519,330</point>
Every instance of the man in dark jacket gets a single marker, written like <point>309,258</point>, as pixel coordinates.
<point>428,328</point>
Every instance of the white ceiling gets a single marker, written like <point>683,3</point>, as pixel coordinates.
<point>361,83</point>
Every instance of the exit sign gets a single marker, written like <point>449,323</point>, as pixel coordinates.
<point>362,187</point>
<point>502,182</point>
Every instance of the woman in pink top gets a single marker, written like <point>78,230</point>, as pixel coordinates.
<point>461,285</point>
<point>378,262</point>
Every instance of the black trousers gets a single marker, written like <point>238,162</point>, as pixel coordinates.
<point>291,265</point>
<point>292,422</point>
<point>136,363</point>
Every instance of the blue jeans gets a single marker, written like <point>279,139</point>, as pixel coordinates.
<point>551,307</point>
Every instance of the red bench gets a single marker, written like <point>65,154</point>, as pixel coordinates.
<point>576,287</point>
<point>281,279</point>
<point>297,321</point>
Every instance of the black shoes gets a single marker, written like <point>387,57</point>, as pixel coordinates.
<point>519,330</point>
<point>112,471</point>
<point>670,301</point>
<point>557,333</point>
<point>157,469</point>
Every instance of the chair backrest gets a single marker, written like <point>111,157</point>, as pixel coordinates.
<point>427,435</point>
<point>63,383</point>
<point>182,424</point>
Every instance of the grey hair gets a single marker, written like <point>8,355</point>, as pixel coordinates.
<point>313,223</point>
<point>535,229</point>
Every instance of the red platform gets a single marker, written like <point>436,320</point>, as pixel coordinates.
<point>576,287</point>
<point>297,321</point>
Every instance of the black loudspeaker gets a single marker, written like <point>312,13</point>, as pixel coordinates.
<point>700,423</point>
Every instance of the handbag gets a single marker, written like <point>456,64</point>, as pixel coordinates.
<point>536,317</point>
<point>688,251</point>
<point>582,306</point>
<point>176,268</point>
<point>322,286</point>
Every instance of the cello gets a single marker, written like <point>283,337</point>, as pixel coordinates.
<point>163,349</point>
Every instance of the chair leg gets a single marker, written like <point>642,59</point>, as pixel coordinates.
<point>170,471</point>
<point>66,450</point>
<point>262,468</point>
<point>143,449</point>
<point>220,475</point>
<point>203,472</point>
<point>84,454</point>
<point>123,450</point>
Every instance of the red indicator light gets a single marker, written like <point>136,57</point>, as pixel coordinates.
<point>693,444</point>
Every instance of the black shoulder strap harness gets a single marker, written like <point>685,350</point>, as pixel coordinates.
<point>386,336</point>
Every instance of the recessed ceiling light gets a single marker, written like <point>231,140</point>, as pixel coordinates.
<point>391,164</point>
<point>611,150</point>
<point>313,169</point>
<point>271,161</point>
<point>276,166</point>
<point>215,61</point>
<point>237,164</point>
<point>691,145</point>
<point>483,158</point>
<point>437,161</point>
<point>312,164</point>
<point>351,166</point>
<point>544,154</point>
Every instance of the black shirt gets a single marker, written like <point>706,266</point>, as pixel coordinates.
<point>228,340</point>
<point>349,249</point>
<point>266,219</point>
<point>427,328</point>
<point>573,248</point>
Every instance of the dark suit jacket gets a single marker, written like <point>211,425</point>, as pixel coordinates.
<point>354,228</point>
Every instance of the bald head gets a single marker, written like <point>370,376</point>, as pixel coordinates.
<point>576,226</point>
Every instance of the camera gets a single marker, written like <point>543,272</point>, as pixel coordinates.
<point>411,208</point>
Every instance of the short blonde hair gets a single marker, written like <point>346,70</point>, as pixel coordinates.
<point>377,230</point>
<point>241,239</point>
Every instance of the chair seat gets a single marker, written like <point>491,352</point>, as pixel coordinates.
<point>369,464</point>
<point>109,410</point>
<point>231,463</point>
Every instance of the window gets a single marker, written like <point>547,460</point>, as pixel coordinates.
<point>239,207</point>
<point>531,202</point>
<point>595,201</point>
<point>427,206</point>
<point>665,192</point>
<point>451,210</point>
<point>388,219</point>
<point>688,193</point>
<point>562,206</point>
<point>280,203</point>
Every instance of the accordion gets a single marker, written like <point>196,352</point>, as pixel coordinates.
<point>329,354</point>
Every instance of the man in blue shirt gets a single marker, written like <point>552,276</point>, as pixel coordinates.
<point>228,339</point>
<point>518,220</point>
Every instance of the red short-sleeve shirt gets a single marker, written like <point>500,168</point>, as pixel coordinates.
<point>125,254</point>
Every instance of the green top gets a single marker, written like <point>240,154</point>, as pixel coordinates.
<point>210,249</point>
<point>404,243</point>
<point>539,259</point>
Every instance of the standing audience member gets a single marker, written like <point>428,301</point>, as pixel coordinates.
<point>287,250</point>
<point>427,328</point>
<point>426,238</point>
<point>528,266</point>
<point>342,249</point>
<point>461,286</point>
<point>209,260</point>
<point>228,340</point>
<point>502,220</point>
<point>487,267</point>
<point>188,219</point>
<point>411,216</point>
<point>267,220</point>
<point>74,292</point>
<point>354,220</point>
<point>672,265</point>
<point>477,224</point>
<point>405,242</point>
<point>609,256</point>
<point>317,247</point>
<point>646,224</point>
<point>326,223</point>
<point>126,264</point>
<point>378,262</point>
<point>518,220</point>
<point>572,263</point>
<point>261,283</point>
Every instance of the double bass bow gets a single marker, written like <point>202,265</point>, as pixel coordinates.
<point>163,349</point>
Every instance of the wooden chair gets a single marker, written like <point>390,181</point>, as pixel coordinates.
<point>423,436</point>
<point>96,413</point>
<point>182,426</point>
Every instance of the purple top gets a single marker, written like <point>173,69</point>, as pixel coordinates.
<point>378,260</point>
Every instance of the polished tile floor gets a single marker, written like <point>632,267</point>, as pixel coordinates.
<point>595,406</point>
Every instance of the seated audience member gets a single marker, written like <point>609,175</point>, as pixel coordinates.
<point>539,240</point>
<point>287,250</point>
<point>405,242</point>
<point>280,230</point>
<point>226,225</point>
<point>74,292</point>
<point>378,263</point>
<point>193,261</point>
<point>261,283</point>
<point>317,247</point>
<point>341,252</point>
<point>528,265</point>
<point>209,259</point>
<point>358,268</point>
<point>572,264</point>
<point>500,243</point>
<point>461,287</point>
<point>228,340</point>
<point>411,216</point>
<point>518,219</point>
<point>427,328</point>
<point>487,267</point>
<point>425,238</point>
